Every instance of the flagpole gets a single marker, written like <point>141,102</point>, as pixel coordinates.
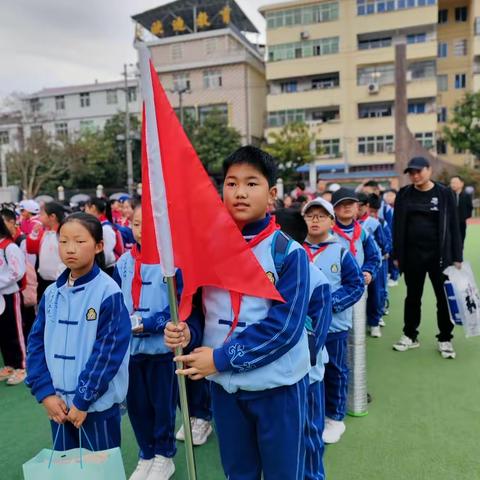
<point>182,385</point>
<point>163,233</point>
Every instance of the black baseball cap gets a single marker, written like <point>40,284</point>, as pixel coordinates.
<point>417,163</point>
<point>343,194</point>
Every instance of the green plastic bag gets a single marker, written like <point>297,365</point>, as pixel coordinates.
<point>75,464</point>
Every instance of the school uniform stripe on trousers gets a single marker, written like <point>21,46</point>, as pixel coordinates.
<point>18,322</point>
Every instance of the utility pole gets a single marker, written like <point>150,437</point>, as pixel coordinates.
<point>181,91</point>
<point>128,143</point>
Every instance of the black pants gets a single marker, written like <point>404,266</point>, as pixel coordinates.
<point>42,286</point>
<point>12,342</point>
<point>463,231</point>
<point>416,269</point>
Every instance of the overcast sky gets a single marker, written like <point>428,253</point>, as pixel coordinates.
<point>49,43</point>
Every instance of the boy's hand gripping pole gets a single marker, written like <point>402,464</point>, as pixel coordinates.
<point>182,387</point>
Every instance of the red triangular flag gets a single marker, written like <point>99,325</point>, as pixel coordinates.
<point>208,247</point>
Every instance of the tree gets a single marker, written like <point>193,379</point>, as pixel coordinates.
<point>463,132</point>
<point>40,165</point>
<point>213,140</point>
<point>291,147</point>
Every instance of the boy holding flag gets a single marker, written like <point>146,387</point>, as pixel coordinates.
<point>256,350</point>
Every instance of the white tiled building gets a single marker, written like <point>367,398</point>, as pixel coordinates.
<point>70,110</point>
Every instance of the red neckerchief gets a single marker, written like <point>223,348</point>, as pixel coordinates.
<point>313,255</point>
<point>363,217</point>
<point>137,277</point>
<point>357,231</point>
<point>103,219</point>
<point>5,243</point>
<point>236,297</point>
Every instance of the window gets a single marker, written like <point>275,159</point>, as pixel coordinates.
<point>375,110</point>
<point>426,139</point>
<point>442,49</point>
<point>60,102</point>
<point>181,82</point>
<point>373,145</point>
<point>220,109</point>
<point>329,80</point>
<point>443,16</point>
<point>442,83</point>
<point>477,26</point>
<point>212,79</point>
<point>374,43</point>
<point>177,51</point>
<point>112,97</point>
<point>324,12</point>
<point>323,114</point>
<point>310,48</point>
<point>190,112</point>
<point>61,130</point>
<point>442,114</point>
<point>381,74</point>
<point>460,48</point>
<point>87,126</point>
<point>461,14</point>
<point>416,38</point>
<point>416,108</point>
<point>422,69</point>
<point>84,100</point>
<point>460,81</point>
<point>36,130</point>
<point>329,147</point>
<point>283,117</point>
<point>369,7</point>
<point>35,105</point>
<point>441,146</point>
<point>4,137</point>
<point>132,94</point>
<point>289,87</point>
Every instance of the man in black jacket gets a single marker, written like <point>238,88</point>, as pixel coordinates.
<point>426,239</point>
<point>464,204</point>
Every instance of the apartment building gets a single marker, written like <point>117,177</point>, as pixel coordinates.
<point>331,63</point>
<point>201,53</point>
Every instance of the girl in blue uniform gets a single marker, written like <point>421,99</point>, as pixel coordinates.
<point>77,359</point>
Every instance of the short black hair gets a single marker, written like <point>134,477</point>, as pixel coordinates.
<point>374,201</point>
<point>55,208</point>
<point>371,183</point>
<point>362,198</point>
<point>459,177</point>
<point>8,214</point>
<point>257,158</point>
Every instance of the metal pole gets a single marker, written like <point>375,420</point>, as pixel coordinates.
<point>3,166</point>
<point>180,104</point>
<point>128,144</point>
<point>182,387</point>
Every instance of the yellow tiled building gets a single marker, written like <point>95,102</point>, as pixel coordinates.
<point>331,63</point>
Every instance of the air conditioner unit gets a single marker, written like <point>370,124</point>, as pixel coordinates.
<point>373,88</point>
<point>409,76</point>
<point>304,35</point>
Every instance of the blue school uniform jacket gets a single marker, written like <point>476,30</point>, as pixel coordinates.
<point>153,308</point>
<point>345,278</point>
<point>269,347</point>
<point>375,229</point>
<point>78,346</point>
<point>368,254</point>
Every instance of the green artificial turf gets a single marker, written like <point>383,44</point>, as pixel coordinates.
<point>423,423</point>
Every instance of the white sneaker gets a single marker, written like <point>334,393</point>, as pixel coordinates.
<point>333,430</point>
<point>18,376</point>
<point>201,430</point>
<point>405,344</point>
<point>142,470</point>
<point>446,349</point>
<point>375,332</point>
<point>392,283</point>
<point>382,323</point>
<point>162,468</point>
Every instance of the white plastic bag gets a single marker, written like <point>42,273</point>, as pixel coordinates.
<point>468,297</point>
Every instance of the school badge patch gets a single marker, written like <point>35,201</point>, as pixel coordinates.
<point>271,277</point>
<point>91,315</point>
<point>334,268</point>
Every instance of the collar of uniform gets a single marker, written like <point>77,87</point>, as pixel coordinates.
<point>344,227</point>
<point>328,241</point>
<point>256,227</point>
<point>88,277</point>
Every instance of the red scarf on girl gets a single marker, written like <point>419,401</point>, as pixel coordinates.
<point>137,277</point>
